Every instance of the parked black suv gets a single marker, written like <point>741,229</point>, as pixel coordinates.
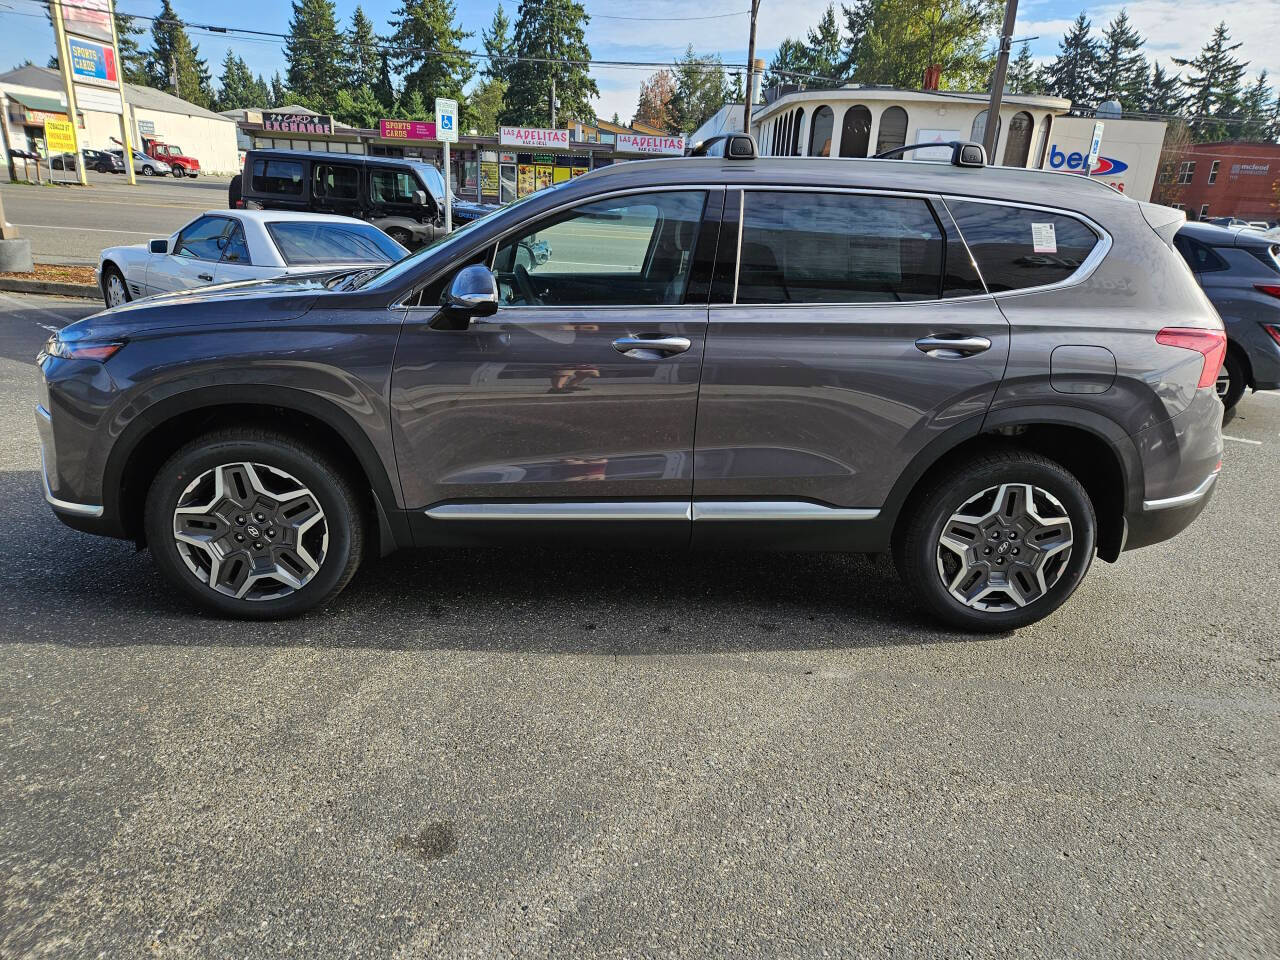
<point>404,198</point>
<point>991,373</point>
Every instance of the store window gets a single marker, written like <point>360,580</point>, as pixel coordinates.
<point>855,132</point>
<point>893,129</point>
<point>824,121</point>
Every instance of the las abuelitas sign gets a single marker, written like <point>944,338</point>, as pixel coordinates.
<point>660,146</point>
<point>533,137</point>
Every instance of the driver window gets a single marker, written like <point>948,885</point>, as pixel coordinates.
<point>200,240</point>
<point>624,251</point>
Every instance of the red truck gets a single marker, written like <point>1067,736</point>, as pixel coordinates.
<point>183,165</point>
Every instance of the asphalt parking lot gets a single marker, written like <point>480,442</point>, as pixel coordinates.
<point>548,754</point>
<point>73,224</point>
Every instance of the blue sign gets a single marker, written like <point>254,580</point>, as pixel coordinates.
<point>93,62</point>
<point>1077,161</point>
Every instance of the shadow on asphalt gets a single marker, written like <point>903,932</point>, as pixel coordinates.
<point>62,586</point>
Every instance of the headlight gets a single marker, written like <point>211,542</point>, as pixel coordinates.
<point>99,350</point>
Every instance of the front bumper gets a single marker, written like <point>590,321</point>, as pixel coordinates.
<point>79,515</point>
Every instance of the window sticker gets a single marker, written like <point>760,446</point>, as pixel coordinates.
<point>1043,239</point>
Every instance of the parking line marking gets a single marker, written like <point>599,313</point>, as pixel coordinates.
<point>23,305</point>
<point>48,226</point>
<point>1256,443</point>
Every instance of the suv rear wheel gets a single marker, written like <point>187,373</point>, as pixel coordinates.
<point>253,524</point>
<point>998,542</point>
<point>1231,379</point>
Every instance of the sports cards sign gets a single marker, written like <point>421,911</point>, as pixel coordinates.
<point>93,63</point>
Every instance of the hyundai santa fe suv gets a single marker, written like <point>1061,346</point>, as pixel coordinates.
<point>991,374</point>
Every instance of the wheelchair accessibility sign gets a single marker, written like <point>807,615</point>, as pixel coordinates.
<point>446,120</point>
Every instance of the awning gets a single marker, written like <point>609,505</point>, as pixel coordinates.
<point>43,104</point>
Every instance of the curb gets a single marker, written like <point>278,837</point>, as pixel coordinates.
<point>86,291</point>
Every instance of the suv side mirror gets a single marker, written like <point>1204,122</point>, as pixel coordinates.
<point>420,198</point>
<point>473,292</point>
<point>158,246</point>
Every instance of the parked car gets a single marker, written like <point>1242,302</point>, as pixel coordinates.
<point>403,197</point>
<point>103,161</point>
<point>223,246</point>
<point>63,161</point>
<point>146,165</point>
<point>1239,269</point>
<point>181,164</point>
<point>990,373</point>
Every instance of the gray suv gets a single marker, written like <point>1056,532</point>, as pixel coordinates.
<point>991,374</point>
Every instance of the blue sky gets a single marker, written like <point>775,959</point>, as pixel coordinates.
<point>1172,27</point>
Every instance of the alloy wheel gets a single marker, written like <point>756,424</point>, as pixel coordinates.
<point>250,531</point>
<point>115,291</point>
<point>1005,547</point>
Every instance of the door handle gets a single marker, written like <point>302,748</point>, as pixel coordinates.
<point>205,276</point>
<point>651,348</point>
<point>949,347</point>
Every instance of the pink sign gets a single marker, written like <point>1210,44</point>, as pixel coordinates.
<point>638,143</point>
<point>533,137</point>
<point>407,129</point>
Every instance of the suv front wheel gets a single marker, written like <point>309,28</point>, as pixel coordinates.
<point>998,542</point>
<point>253,524</point>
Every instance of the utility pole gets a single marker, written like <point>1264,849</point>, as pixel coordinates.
<point>553,101</point>
<point>997,80</point>
<point>173,73</point>
<point>751,70</point>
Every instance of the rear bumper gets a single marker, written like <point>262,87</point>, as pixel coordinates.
<point>1162,520</point>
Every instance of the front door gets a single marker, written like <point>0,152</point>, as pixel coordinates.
<point>193,257</point>
<point>575,404</point>
<point>857,331</point>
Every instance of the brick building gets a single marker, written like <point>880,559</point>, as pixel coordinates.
<point>1232,178</point>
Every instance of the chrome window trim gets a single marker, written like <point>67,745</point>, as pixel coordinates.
<point>737,257</point>
<point>567,205</point>
<point>1082,272</point>
<point>1185,499</point>
<point>699,508</point>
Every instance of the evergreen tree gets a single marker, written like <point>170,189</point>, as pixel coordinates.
<point>359,107</point>
<point>484,104</point>
<point>1213,87</point>
<point>895,41</point>
<point>498,46</point>
<point>1164,93</point>
<point>279,93</point>
<point>700,90</point>
<point>172,52</point>
<point>430,54</point>
<point>260,92</point>
<point>656,95</point>
<point>824,50</point>
<point>133,62</point>
<point>551,30</point>
<point>1257,106</point>
<point>363,60</point>
<point>788,65</point>
<point>236,89</point>
<point>312,53</point>
<point>615,121</point>
<point>1023,77</point>
<point>1122,69</point>
<point>1072,73</point>
<point>412,106</point>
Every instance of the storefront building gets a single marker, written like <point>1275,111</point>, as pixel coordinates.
<point>1231,178</point>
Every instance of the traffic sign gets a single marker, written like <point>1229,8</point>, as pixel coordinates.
<point>1095,145</point>
<point>447,120</point>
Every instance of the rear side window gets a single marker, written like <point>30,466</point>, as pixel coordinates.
<point>1018,247</point>
<point>278,176</point>
<point>304,242</point>
<point>235,250</point>
<point>336,181</point>
<point>802,247</point>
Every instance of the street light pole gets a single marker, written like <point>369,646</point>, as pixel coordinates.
<point>992,128</point>
<point>751,70</point>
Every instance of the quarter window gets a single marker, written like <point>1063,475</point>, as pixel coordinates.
<point>277,176</point>
<point>234,249</point>
<point>200,239</point>
<point>625,251</point>
<point>1018,247</point>
<point>801,247</point>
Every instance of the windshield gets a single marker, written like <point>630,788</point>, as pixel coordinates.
<point>431,178</point>
<point>410,263</point>
<point>304,243</point>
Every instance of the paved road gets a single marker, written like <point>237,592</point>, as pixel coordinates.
<point>73,224</point>
<point>550,755</point>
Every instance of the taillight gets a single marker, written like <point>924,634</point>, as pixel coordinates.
<point>1211,343</point>
<point>1273,330</point>
<point>1270,289</point>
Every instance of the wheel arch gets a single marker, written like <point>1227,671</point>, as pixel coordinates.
<point>1241,354</point>
<point>1095,449</point>
<point>158,432</point>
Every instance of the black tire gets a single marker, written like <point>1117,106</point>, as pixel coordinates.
<point>179,172</point>
<point>109,272</point>
<point>342,507</point>
<point>916,546</point>
<point>148,171</point>
<point>1237,379</point>
<point>401,236</point>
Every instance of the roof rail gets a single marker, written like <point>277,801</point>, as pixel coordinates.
<point>964,153</point>
<point>731,146</point>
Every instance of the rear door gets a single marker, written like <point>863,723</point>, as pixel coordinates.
<point>854,331</point>
<point>577,400</point>
<point>335,188</point>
